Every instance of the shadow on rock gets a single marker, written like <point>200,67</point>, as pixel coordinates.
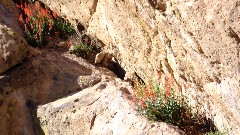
<point>37,81</point>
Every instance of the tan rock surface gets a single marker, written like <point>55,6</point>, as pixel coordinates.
<point>197,42</point>
<point>90,99</point>
<point>78,12</point>
<point>98,110</point>
<point>39,80</point>
<point>13,47</point>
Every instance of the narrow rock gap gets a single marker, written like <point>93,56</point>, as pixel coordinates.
<point>80,27</point>
<point>94,8</point>
<point>158,5</point>
<point>233,34</point>
<point>93,101</point>
<point>92,121</point>
<point>117,69</point>
<point>32,108</point>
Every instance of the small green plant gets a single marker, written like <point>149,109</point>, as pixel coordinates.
<point>216,132</point>
<point>83,46</point>
<point>80,50</point>
<point>40,23</point>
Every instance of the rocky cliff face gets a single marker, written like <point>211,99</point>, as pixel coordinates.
<point>13,47</point>
<point>54,92</point>
<point>194,41</point>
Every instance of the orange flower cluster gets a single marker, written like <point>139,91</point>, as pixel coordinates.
<point>37,20</point>
<point>162,102</point>
<point>142,93</point>
<point>167,85</point>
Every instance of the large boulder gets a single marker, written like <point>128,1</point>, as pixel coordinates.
<point>196,42</point>
<point>40,80</point>
<point>13,47</point>
<point>99,110</point>
<point>63,94</point>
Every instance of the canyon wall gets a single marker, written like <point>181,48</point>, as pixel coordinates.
<point>50,91</point>
<point>196,42</point>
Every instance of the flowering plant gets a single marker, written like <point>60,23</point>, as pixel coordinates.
<point>40,23</point>
<point>160,101</point>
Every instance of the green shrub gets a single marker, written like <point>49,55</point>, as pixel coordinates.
<point>81,49</point>
<point>217,132</point>
<point>84,45</point>
<point>161,102</point>
<point>157,103</point>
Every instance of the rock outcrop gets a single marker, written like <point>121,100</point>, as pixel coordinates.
<point>58,93</point>
<point>40,80</point>
<point>13,47</point>
<point>196,42</point>
<point>91,99</point>
<point>99,110</point>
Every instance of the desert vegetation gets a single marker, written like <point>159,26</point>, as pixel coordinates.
<point>163,102</point>
<point>41,24</point>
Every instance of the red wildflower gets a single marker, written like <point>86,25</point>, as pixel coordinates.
<point>179,88</point>
<point>36,6</point>
<point>31,26</point>
<point>151,86</point>
<point>143,104</point>
<point>188,115</point>
<point>47,11</point>
<point>145,91</point>
<point>151,91</point>
<point>50,25</point>
<point>27,20</point>
<point>54,14</point>
<point>18,6</point>
<point>27,10</point>
<point>39,29</point>
<point>20,18</point>
<point>167,85</point>
<point>168,91</point>
<point>25,4</point>
<point>151,95</point>
<point>86,39</point>
<point>134,99</point>
<point>42,12</point>
<point>134,85</point>
<point>29,6</point>
<point>25,27</point>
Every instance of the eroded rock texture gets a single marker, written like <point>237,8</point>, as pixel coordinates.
<point>57,93</point>
<point>197,42</point>
<point>41,80</point>
<point>101,109</point>
<point>13,47</point>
